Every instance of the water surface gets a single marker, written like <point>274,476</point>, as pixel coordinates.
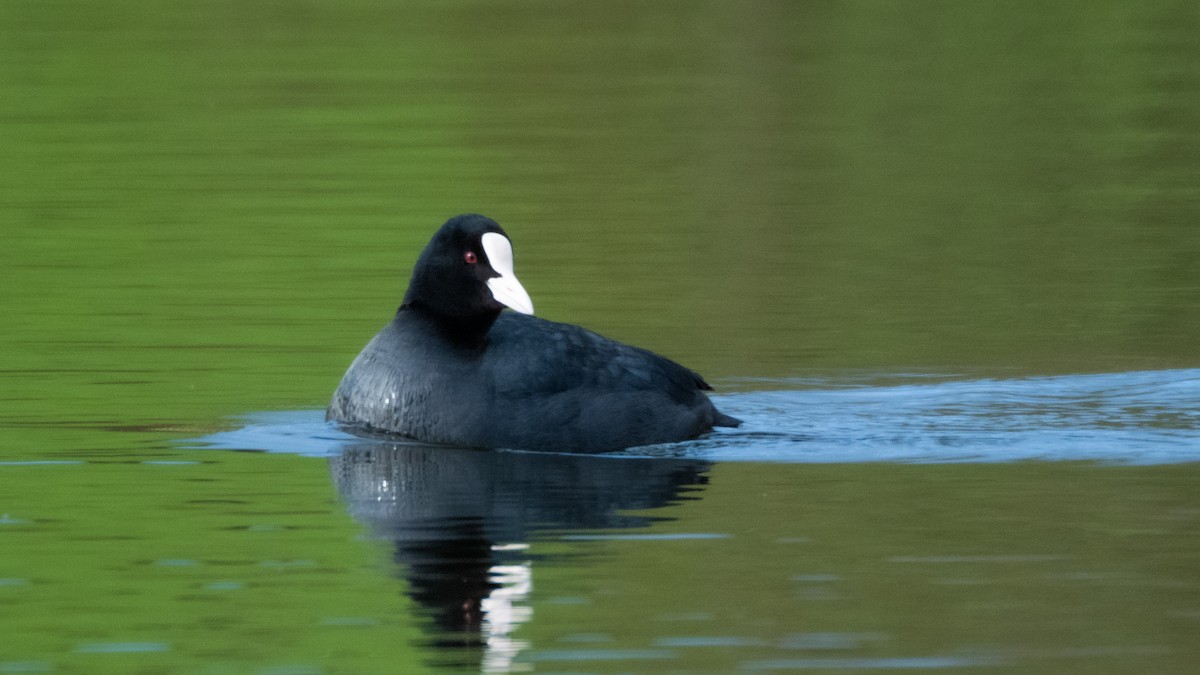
<point>1150,417</point>
<point>942,258</point>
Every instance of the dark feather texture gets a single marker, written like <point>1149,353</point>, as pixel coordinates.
<point>471,376</point>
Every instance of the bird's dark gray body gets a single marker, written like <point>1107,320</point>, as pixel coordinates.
<point>582,392</point>
<point>443,372</point>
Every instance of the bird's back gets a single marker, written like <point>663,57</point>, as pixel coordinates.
<point>533,384</point>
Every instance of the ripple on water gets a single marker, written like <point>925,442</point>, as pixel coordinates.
<point>884,663</point>
<point>601,655</point>
<point>122,647</point>
<point>26,667</point>
<point>1145,417</point>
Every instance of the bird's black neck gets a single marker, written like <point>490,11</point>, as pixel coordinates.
<point>465,331</point>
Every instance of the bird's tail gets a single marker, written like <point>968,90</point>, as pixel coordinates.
<point>720,419</point>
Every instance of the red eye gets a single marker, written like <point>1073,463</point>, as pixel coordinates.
<point>470,257</point>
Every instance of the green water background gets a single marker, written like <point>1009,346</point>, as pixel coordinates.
<point>207,208</point>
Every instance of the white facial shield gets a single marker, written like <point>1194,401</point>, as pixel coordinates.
<point>505,288</point>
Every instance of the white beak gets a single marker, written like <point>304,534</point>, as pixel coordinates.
<point>505,288</point>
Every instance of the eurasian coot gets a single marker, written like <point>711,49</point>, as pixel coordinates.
<point>452,368</point>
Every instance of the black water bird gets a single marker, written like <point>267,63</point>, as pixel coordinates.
<point>452,368</point>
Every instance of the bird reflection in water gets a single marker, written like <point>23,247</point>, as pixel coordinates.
<point>462,521</point>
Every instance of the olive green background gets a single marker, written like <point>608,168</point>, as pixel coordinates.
<point>206,208</point>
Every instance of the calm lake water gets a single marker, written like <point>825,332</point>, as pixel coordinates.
<point>943,258</point>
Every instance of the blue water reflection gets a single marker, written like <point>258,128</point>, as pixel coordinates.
<point>1144,417</point>
<point>473,531</point>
